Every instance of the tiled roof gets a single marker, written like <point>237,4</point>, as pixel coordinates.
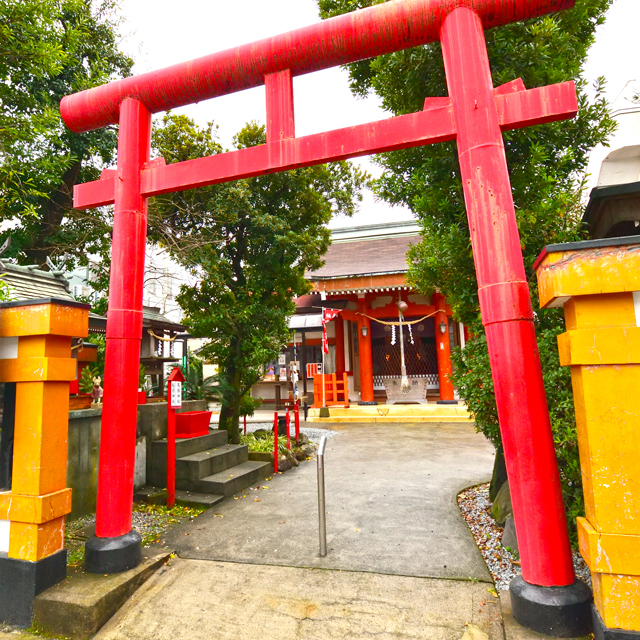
<point>153,317</point>
<point>30,283</point>
<point>365,257</point>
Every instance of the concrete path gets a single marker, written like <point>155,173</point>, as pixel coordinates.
<point>250,567</point>
<point>204,600</point>
<point>391,507</point>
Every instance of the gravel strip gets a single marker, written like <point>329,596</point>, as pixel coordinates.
<point>475,506</point>
<point>314,434</point>
<point>148,520</point>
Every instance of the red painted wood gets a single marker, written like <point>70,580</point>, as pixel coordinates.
<point>338,324</point>
<point>124,327</point>
<point>443,349</point>
<point>522,407</point>
<point>171,451</point>
<point>365,353</point>
<point>374,31</point>
<point>434,124</point>
<point>280,114</point>
<point>275,443</point>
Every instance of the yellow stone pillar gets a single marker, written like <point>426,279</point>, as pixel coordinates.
<point>598,284</point>
<point>35,354</point>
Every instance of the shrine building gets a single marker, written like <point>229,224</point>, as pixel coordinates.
<point>364,276</point>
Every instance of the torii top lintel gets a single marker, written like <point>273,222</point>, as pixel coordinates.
<point>377,30</point>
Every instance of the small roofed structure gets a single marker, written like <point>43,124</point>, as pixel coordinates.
<point>159,333</point>
<point>364,276</point>
<point>158,347</point>
<point>614,205</point>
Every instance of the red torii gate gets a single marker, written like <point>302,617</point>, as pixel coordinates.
<point>475,115</point>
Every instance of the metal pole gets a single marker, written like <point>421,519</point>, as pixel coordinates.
<point>321,503</point>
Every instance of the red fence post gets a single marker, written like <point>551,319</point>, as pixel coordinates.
<point>122,362</point>
<point>288,430</point>
<point>297,421</point>
<point>171,451</point>
<point>245,425</point>
<point>506,307</point>
<point>275,442</point>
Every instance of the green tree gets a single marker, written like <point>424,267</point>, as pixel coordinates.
<point>546,164</point>
<point>51,48</point>
<point>250,243</point>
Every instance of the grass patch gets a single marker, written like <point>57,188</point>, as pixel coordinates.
<point>263,443</point>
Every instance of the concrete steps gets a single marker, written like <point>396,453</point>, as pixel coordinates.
<point>394,413</point>
<point>236,478</point>
<point>192,468</point>
<point>207,468</point>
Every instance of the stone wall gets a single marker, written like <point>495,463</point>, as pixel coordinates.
<point>84,448</point>
<point>82,460</point>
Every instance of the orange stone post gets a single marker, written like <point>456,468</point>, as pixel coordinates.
<point>365,354</point>
<point>35,347</point>
<point>443,351</point>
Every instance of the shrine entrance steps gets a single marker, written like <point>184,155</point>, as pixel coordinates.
<point>208,469</point>
<point>405,413</point>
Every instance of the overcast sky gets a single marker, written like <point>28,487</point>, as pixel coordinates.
<point>159,33</point>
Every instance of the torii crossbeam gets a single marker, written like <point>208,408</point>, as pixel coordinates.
<point>474,114</point>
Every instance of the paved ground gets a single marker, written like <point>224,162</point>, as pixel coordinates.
<point>391,507</point>
<point>402,563</point>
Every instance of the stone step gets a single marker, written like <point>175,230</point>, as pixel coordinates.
<point>403,410</point>
<point>157,453</point>
<point>191,469</point>
<point>236,478</point>
<point>191,499</point>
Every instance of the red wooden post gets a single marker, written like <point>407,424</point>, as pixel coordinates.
<point>443,350</point>
<point>124,333</point>
<point>288,420</point>
<point>366,355</point>
<point>340,354</point>
<point>245,425</point>
<point>275,442</point>
<point>171,453</point>
<point>506,307</point>
<point>297,421</point>
<point>174,401</point>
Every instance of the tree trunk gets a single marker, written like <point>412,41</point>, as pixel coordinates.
<point>230,421</point>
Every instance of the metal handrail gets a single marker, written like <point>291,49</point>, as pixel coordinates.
<point>321,502</point>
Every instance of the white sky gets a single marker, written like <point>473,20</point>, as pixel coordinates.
<point>162,32</point>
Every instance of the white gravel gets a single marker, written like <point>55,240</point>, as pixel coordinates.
<point>475,506</point>
<point>314,434</point>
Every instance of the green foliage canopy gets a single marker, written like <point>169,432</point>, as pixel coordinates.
<point>51,48</point>
<point>250,243</point>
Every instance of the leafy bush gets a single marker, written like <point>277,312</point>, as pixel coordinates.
<point>263,443</point>
<point>85,384</point>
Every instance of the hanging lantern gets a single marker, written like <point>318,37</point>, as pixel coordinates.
<point>443,327</point>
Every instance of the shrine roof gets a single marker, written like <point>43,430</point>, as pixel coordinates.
<point>366,257</point>
<point>28,283</point>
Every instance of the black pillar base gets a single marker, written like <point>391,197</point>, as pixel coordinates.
<point>21,581</point>
<point>564,612</point>
<point>600,632</point>
<point>370,403</point>
<point>113,555</point>
<point>447,402</point>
